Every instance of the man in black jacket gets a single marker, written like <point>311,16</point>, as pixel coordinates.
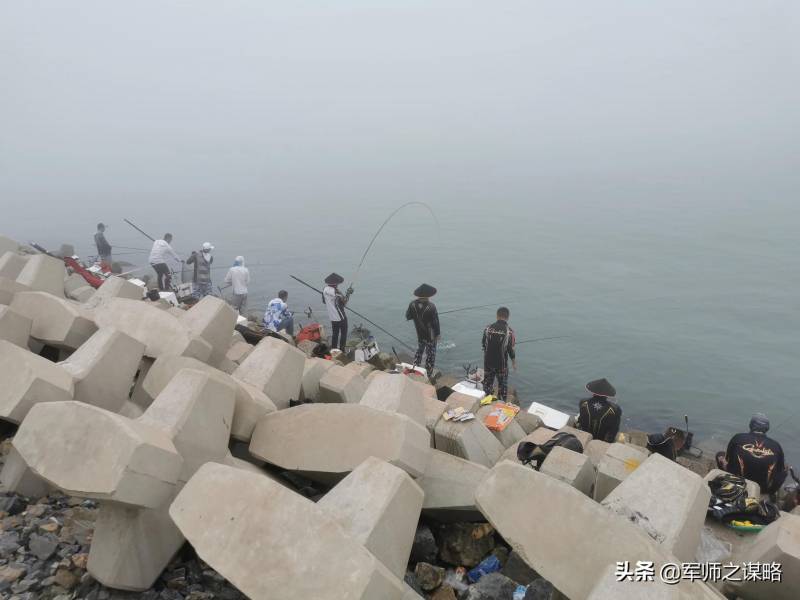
<point>598,415</point>
<point>103,247</point>
<point>755,456</point>
<point>498,346</point>
<point>426,321</point>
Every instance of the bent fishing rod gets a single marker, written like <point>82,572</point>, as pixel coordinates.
<point>149,237</point>
<point>542,339</point>
<point>358,314</point>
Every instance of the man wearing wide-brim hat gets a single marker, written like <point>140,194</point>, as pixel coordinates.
<point>426,321</point>
<point>335,302</point>
<point>599,415</point>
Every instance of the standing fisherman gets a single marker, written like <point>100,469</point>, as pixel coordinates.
<point>335,302</point>
<point>103,247</point>
<point>159,255</point>
<point>498,346</point>
<point>426,320</point>
<point>239,277</point>
<point>202,270</point>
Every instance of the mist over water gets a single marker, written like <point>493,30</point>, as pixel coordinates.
<point>626,177</point>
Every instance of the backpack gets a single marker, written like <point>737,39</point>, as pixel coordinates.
<point>528,452</point>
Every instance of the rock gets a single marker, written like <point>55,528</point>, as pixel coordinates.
<point>12,572</point>
<point>541,589</point>
<point>429,576</point>
<point>318,440</point>
<point>383,361</point>
<point>378,505</point>
<point>517,569</point>
<point>396,394</point>
<point>43,273</point>
<point>491,587</point>
<point>444,593</point>
<point>274,368</point>
<point>449,484</point>
<point>28,380</point>
<point>43,546</point>
<point>570,467</point>
<point>465,543</point>
<point>66,579</point>
<point>239,542</point>
<point>424,548</point>
<point>14,327</point>
<point>9,543</point>
<point>341,385</point>
<point>667,501</point>
<point>55,321</point>
<point>619,461</point>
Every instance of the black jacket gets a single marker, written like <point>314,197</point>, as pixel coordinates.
<point>758,458</point>
<point>103,247</point>
<point>498,346</point>
<point>600,417</point>
<point>426,319</point>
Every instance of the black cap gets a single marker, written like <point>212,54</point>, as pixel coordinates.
<point>601,387</point>
<point>425,291</point>
<point>334,279</point>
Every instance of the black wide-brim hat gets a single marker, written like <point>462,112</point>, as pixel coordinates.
<point>334,279</point>
<point>601,387</point>
<point>425,291</point>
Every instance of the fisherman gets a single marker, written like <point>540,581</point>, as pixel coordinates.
<point>103,247</point>
<point>667,444</point>
<point>426,321</point>
<point>598,415</point>
<point>201,278</point>
<point>159,255</point>
<point>239,278</point>
<point>278,317</point>
<point>335,301</point>
<point>755,456</point>
<point>498,346</point>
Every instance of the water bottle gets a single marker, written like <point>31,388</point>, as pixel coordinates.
<point>519,593</point>
<point>490,564</point>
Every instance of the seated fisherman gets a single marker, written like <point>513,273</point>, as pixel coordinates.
<point>598,415</point>
<point>755,456</point>
<point>667,444</point>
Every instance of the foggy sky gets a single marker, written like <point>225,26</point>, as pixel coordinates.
<point>170,106</point>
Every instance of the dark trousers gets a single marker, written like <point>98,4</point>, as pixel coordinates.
<point>489,375</point>
<point>163,276</point>
<point>339,334</point>
<point>429,350</point>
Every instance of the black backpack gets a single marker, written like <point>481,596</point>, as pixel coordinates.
<point>528,452</point>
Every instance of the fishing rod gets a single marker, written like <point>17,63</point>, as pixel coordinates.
<point>455,310</point>
<point>377,233</point>
<point>358,314</point>
<point>555,337</point>
<point>149,237</point>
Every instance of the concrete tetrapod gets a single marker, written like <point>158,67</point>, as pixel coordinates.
<point>341,385</point>
<point>327,441</point>
<point>11,264</point>
<point>397,394</point>
<point>449,484</point>
<point>570,467</point>
<point>313,370</point>
<point>213,320</point>
<point>619,461</point>
<point>134,467</point>
<point>9,288</point>
<point>572,540</point>
<point>470,439</point>
<point>28,379</point>
<point>379,505</point>
<point>43,273</point>
<point>103,369</point>
<point>274,544</point>
<point>114,287</point>
<point>56,321</point>
<point>275,368</point>
<point>14,327</point>
<point>251,404</point>
<point>667,501</point>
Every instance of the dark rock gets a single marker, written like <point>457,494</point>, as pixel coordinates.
<point>12,572</point>
<point>9,543</point>
<point>43,546</point>
<point>424,548</point>
<point>66,579</point>
<point>518,570</point>
<point>541,589</point>
<point>411,581</point>
<point>444,593</point>
<point>501,552</point>
<point>429,576</point>
<point>494,586</point>
<point>12,505</point>
<point>465,543</point>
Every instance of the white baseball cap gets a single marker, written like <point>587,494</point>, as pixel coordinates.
<point>207,247</point>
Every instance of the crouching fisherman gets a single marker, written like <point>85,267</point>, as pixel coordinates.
<point>667,444</point>
<point>598,415</point>
<point>755,456</point>
<point>278,317</point>
<point>426,321</point>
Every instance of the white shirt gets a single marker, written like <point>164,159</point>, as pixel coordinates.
<point>334,305</point>
<point>239,278</point>
<point>162,252</point>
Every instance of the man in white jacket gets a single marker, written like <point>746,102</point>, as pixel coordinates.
<point>239,278</point>
<point>159,255</point>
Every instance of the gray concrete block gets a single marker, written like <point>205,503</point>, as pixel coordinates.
<point>29,379</point>
<point>469,439</point>
<point>341,385</point>
<point>11,264</point>
<point>14,327</point>
<point>362,368</point>
<point>238,352</point>
<point>43,273</point>
<point>450,484</point>
<point>9,288</point>
<point>213,320</point>
<point>528,422</point>
<point>433,412</point>
<point>378,505</point>
<point>619,461</point>
<point>667,501</point>
<point>18,477</point>
<point>114,287</point>
<point>275,368</point>
<point>397,394</point>
<point>8,245</point>
<point>319,440</point>
<point>83,294</point>
<point>73,282</point>
<point>240,544</point>
<point>570,467</point>
<point>596,450</point>
<point>55,321</point>
<point>103,369</point>
<point>313,370</point>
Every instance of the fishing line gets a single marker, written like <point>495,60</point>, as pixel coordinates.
<point>542,339</point>
<point>455,310</point>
